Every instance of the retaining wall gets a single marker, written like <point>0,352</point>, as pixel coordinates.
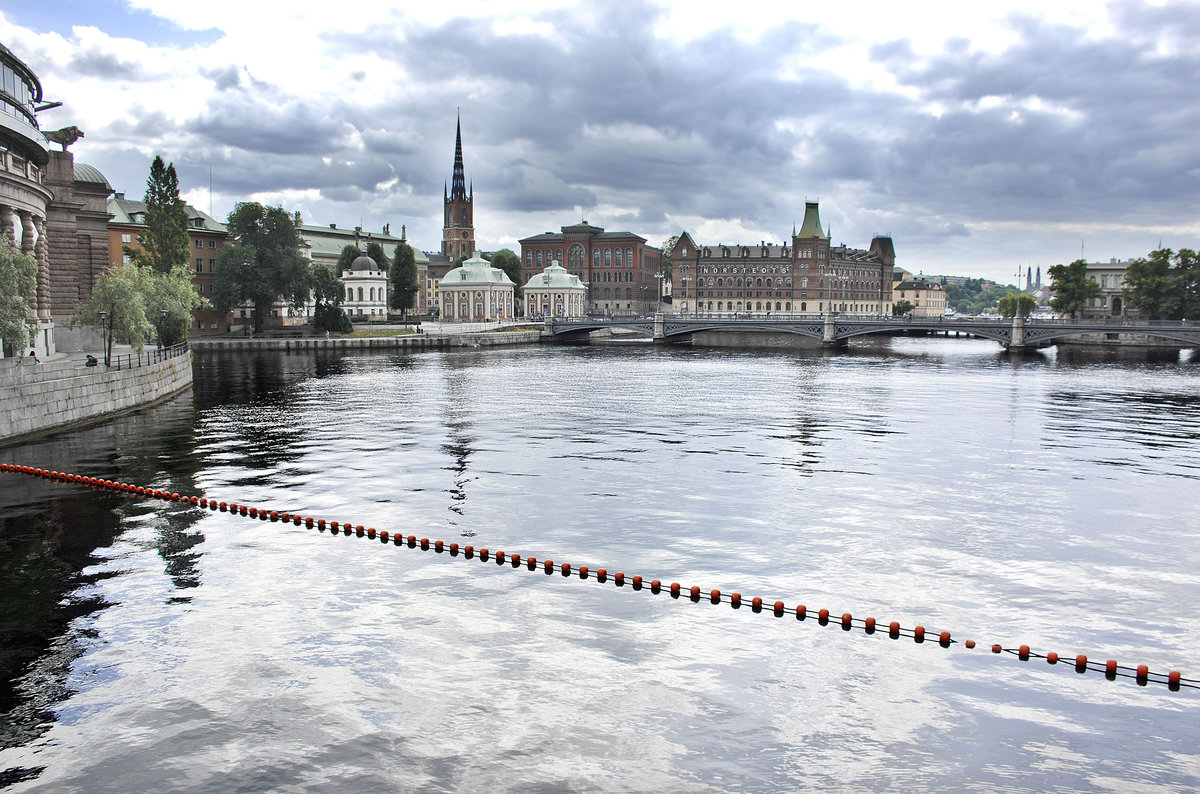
<point>38,398</point>
<point>399,342</point>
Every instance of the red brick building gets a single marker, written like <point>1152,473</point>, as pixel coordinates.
<point>618,268</point>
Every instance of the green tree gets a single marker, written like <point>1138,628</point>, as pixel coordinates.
<point>1187,263</point>
<point>264,264</point>
<point>163,244</point>
<point>18,285</point>
<point>1072,288</point>
<point>1013,302</point>
<point>346,257</point>
<point>508,261</point>
<point>117,307</point>
<point>170,299</point>
<point>901,308</point>
<point>375,251</point>
<point>328,292</point>
<point>668,245</point>
<point>1150,285</point>
<point>402,278</point>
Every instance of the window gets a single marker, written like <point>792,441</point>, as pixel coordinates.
<point>628,257</point>
<point>199,243</point>
<point>539,261</point>
<point>125,260</point>
<point>212,265</point>
<point>127,238</point>
<point>212,243</point>
<point>199,265</point>
<point>620,258</point>
<point>608,257</point>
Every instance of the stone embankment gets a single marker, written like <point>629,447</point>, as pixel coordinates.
<point>404,342</point>
<point>62,392</point>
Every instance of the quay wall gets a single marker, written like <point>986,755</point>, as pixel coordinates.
<point>38,398</point>
<point>402,342</point>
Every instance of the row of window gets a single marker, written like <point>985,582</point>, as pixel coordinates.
<point>601,257</point>
<point>744,269</point>
<point>212,243</point>
<point>370,293</point>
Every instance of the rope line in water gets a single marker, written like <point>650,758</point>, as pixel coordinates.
<point>1141,673</point>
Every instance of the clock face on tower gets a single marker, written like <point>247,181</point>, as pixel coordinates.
<point>464,235</point>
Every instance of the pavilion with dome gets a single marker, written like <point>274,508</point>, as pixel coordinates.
<point>366,289</point>
<point>476,292</point>
<point>554,292</point>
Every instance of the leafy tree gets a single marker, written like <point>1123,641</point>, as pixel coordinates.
<point>1153,285</point>
<point>163,244</point>
<point>508,261</point>
<point>901,308</point>
<point>1017,301</point>
<point>1072,288</point>
<point>174,294</point>
<point>668,245</point>
<point>403,284</point>
<point>264,264</point>
<point>117,307</point>
<point>18,285</point>
<point>375,251</point>
<point>1187,263</point>
<point>328,291</point>
<point>346,257</point>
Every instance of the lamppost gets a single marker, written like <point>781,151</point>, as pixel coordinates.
<point>106,331</point>
<point>162,323</point>
<point>658,303</point>
<point>546,287</point>
<point>684,280</point>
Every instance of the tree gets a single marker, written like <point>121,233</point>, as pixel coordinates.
<point>264,264</point>
<point>1151,286</point>
<point>163,244</point>
<point>403,280</point>
<point>507,260</point>
<point>1072,288</point>
<point>346,258</point>
<point>901,308</point>
<point>170,299</point>
<point>18,285</point>
<point>375,251</point>
<point>668,245</point>
<point>1017,301</point>
<point>117,307</point>
<point>328,291</point>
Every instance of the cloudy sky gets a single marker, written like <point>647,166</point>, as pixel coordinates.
<point>984,137</point>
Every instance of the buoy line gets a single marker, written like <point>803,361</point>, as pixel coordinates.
<point>823,617</point>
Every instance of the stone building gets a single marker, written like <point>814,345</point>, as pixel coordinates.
<point>366,286</point>
<point>50,208</point>
<point>1110,303</point>
<point>806,275</point>
<point>619,270</point>
<point>927,296</point>
<point>554,293</point>
<point>458,232</point>
<point>206,238</point>
<point>476,292</point>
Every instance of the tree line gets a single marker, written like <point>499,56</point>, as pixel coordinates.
<point>1165,285</point>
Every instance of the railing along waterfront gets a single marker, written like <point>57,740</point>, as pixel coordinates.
<point>145,358</point>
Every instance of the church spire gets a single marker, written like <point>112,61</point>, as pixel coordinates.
<point>458,187</point>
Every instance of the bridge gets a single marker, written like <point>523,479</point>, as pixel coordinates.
<point>833,329</point>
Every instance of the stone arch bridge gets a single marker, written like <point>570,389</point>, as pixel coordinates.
<point>834,329</point>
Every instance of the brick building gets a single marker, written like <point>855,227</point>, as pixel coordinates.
<point>618,268</point>
<point>807,275</point>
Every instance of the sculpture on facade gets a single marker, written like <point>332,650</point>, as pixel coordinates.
<point>66,136</point>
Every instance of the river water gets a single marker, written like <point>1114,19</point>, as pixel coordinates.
<point>1040,500</point>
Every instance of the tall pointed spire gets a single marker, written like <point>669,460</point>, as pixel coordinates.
<point>458,187</point>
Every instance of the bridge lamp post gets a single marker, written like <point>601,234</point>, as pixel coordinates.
<point>105,330</point>
<point>546,287</point>
<point>658,303</point>
<point>685,297</point>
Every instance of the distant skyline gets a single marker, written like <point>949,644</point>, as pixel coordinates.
<point>983,139</point>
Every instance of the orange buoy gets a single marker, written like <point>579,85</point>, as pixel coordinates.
<point>847,621</point>
<point>516,560</point>
<point>583,571</point>
<point>756,604</point>
<point>1110,668</point>
<point>1052,658</point>
<point>439,546</point>
<point>602,575</point>
<point>735,600</point>
<point>1023,653</point>
<point>548,567</point>
<point>1173,679</point>
<point>919,634</point>
<point>1081,663</point>
<point>274,515</point>
<point>500,558</point>
<point>468,551</point>
<point>565,569</point>
<point>253,511</point>
<point>174,496</point>
<point>483,555</point>
<point>637,583</point>
<point>869,625</point>
<point>695,593</point>
<point>453,549</point>
<point>715,596</point>
<point>823,617</point>
<point>619,579</point>
<point>532,563</point>
<point>996,648</point>
<point>371,533</point>
<point>321,524</point>
<point>674,589</point>
<point>894,629</point>
<point>384,536</point>
<point>944,639</point>
<point>359,530</point>
<point>969,643</point>
<point>1143,673</point>
<point>778,609</point>
<point>655,586</point>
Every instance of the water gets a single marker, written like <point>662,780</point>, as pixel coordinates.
<point>1041,500</point>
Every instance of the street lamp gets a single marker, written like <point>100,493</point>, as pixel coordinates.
<point>685,304</point>
<point>546,296</point>
<point>161,325</point>
<point>658,303</point>
<point>105,330</point>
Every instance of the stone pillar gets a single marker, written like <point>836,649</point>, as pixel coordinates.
<point>660,326</point>
<point>830,337</point>
<point>41,254</point>
<point>27,248</point>
<point>1018,332</point>
<point>6,225</point>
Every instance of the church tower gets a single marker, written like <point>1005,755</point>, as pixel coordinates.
<point>458,233</point>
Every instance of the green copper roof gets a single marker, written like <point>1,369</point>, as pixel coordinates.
<point>812,221</point>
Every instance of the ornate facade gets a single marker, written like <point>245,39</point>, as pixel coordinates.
<point>554,293</point>
<point>618,268</point>
<point>476,292</point>
<point>809,275</point>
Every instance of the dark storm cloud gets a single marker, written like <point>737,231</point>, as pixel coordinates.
<point>107,65</point>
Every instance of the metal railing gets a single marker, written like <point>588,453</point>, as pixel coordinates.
<point>147,357</point>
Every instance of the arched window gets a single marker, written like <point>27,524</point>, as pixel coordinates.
<point>629,293</point>
<point>539,258</point>
<point>529,258</point>
<point>558,255</point>
<point>620,258</point>
<point>360,293</point>
<point>349,293</point>
<point>608,257</point>
<point>628,257</point>
<point>464,218</point>
<point>372,293</point>
<point>575,257</point>
<point>596,258</point>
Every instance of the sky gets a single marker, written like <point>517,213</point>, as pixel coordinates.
<point>985,138</point>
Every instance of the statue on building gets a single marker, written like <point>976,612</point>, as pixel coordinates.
<point>66,136</point>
